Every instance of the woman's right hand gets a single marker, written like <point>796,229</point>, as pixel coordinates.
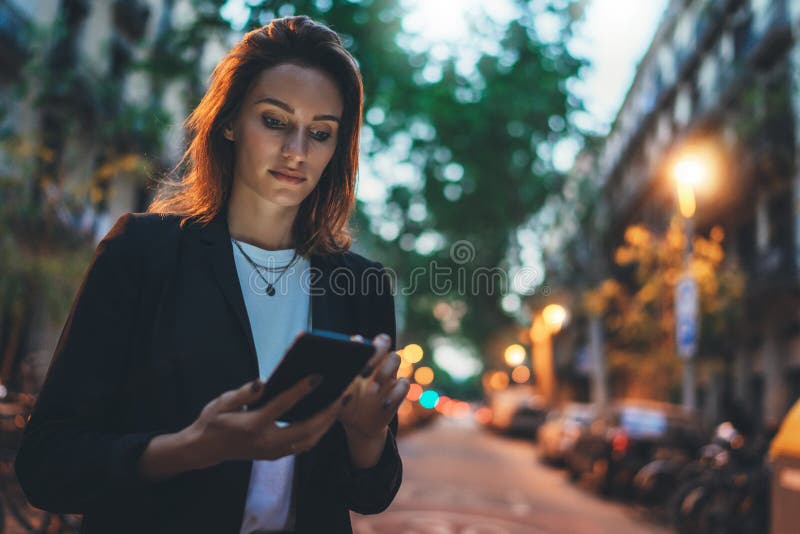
<point>225,430</point>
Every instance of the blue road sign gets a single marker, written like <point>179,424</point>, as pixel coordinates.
<point>686,316</point>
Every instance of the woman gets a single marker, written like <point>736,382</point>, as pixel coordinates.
<point>142,424</point>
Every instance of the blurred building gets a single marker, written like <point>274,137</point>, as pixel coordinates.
<point>724,74</point>
<point>93,122</point>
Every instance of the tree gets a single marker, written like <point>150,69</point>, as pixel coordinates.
<point>638,306</point>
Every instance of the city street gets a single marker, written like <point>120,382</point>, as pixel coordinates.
<point>459,479</point>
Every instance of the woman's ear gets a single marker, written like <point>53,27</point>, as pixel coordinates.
<point>227,132</point>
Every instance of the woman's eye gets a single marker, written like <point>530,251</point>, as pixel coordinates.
<point>319,135</point>
<point>271,122</point>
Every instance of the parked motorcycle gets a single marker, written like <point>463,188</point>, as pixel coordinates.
<point>730,492</point>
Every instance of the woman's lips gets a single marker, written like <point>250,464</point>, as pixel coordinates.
<point>287,178</point>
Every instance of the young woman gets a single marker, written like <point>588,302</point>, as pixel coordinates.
<point>142,424</point>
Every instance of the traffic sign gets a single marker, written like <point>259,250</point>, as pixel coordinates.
<point>686,316</point>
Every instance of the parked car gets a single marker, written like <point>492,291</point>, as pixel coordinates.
<point>562,427</point>
<point>619,442</point>
<point>517,410</point>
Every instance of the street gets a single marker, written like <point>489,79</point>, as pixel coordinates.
<point>459,478</point>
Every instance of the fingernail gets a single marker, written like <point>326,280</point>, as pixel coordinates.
<point>315,380</point>
<point>255,386</point>
<point>366,371</point>
<point>347,398</point>
<point>386,404</point>
<point>385,338</point>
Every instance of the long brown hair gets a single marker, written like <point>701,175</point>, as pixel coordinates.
<point>205,173</point>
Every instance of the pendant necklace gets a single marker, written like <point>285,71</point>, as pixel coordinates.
<point>270,286</point>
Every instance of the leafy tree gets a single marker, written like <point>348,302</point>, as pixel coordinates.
<point>638,306</point>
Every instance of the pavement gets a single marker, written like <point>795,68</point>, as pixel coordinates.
<point>461,479</point>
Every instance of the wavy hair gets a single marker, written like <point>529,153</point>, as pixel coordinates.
<point>199,187</point>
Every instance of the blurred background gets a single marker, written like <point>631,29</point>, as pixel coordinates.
<point>590,210</point>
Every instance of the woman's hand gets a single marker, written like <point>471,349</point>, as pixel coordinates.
<point>375,395</point>
<point>226,431</point>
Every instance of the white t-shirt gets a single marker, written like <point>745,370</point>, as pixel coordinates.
<point>275,321</point>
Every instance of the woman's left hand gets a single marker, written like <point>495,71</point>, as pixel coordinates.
<point>376,394</point>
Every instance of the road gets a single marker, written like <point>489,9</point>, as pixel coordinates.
<point>461,479</point>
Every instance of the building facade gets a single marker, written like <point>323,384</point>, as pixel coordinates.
<point>723,74</point>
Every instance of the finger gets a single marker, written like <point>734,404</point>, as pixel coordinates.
<point>382,343</point>
<point>387,372</point>
<point>286,399</point>
<point>395,397</point>
<point>236,399</point>
<point>313,428</point>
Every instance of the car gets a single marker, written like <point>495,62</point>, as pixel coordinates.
<point>557,435</point>
<point>517,411</point>
<point>623,439</point>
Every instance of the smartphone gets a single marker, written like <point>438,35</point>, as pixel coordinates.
<point>333,355</point>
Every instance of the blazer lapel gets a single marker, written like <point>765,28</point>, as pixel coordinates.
<point>219,251</point>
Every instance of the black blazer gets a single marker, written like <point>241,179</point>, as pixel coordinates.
<point>157,330</point>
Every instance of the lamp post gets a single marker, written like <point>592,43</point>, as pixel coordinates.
<point>689,172</point>
<point>546,323</point>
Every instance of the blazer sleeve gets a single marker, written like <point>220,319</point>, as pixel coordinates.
<point>70,454</point>
<point>371,491</point>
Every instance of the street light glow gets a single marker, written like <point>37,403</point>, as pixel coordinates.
<point>554,316</point>
<point>686,201</point>
<point>691,170</point>
<point>423,375</point>
<point>412,353</point>
<point>514,355</point>
<point>521,374</point>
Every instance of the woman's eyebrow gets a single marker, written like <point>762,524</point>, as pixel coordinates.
<point>283,105</point>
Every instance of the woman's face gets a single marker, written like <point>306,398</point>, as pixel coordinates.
<point>285,134</point>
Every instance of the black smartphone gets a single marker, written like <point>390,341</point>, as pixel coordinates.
<point>334,356</point>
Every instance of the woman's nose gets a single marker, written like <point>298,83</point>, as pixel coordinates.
<point>295,145</point>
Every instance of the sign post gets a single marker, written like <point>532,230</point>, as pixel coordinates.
<point>687,333</point>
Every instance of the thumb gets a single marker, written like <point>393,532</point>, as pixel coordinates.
<point>236,399</point>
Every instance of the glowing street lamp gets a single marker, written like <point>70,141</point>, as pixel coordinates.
<point>555,316</point>
<point>690,172</point>
<point>514,355</point>
<point>545,324</point>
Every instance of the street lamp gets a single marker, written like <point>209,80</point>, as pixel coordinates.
<point>689,172</point>
<point>545,324</point>
<point>514,355</point>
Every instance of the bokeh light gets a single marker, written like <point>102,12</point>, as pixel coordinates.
<point>423,375</point>
<point>554,316</point>
<point>429,399</point>
<point>515,354</point>
<point>498,380</point>
<point>414,392</point>
<point>412,353</point>
<point>520,374</point>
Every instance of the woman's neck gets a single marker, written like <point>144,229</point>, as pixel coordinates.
<point>265,226</point>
